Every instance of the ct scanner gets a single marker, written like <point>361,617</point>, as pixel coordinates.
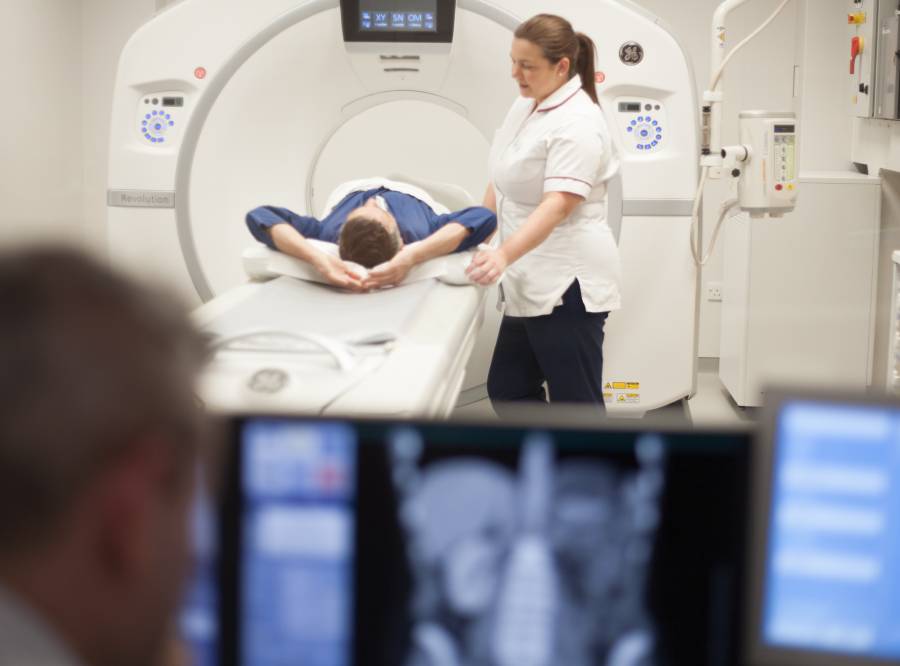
<point>223,105</point>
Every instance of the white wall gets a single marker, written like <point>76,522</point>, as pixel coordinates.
<point>59,61</point>
<point>41,116</point>
<point>823,105</point>
<point>758,77</point>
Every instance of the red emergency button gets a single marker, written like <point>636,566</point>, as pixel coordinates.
<point>779,187</point>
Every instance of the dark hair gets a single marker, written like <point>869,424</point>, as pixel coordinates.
<point>92,363</point>
<point>557,39</point>
<point>365,241</point>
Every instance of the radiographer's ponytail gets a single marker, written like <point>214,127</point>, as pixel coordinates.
<point>585,65</point>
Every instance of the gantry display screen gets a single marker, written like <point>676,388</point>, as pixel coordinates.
<point>831,581</point>
<point>359,543</point>
<point>398,20</point>
<point>398,15</point>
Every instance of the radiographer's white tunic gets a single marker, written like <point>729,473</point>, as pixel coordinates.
<point>563,145</point>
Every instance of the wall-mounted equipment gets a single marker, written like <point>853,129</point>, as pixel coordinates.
<point>887,74</point>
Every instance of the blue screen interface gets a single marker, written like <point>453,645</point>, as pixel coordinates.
<point>298,484</point>
<point>398,15</point>
<point>198,617</point>
<point>832,573</point>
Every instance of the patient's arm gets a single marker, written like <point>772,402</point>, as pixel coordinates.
<point>490,198</point>
<point>334,270</point>
<point>443,241</point>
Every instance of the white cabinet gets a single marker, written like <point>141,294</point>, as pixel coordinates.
<point>799,293</point>
<point>892,384</point>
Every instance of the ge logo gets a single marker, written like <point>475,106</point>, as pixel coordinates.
<point>268,380</point>
<point>631,53</point>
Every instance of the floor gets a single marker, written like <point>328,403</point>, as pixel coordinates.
<point>710,406</point>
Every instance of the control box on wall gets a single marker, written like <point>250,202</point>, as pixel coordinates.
<point>887,57</point>
<point>873,32</point>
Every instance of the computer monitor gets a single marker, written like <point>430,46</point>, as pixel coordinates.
<point>198,617</point>
<point>825,588</point>
<point>360,543</point>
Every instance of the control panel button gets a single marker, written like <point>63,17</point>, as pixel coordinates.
<point>641,123</point>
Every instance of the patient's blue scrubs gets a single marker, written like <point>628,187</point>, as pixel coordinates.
<point>415,219</point>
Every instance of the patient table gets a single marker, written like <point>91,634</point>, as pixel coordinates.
<point>289,345</point>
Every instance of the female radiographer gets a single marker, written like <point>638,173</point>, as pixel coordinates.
<point>550,162</point>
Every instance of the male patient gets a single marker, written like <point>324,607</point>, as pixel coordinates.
<point>99,439</point>
<point>375,227</point>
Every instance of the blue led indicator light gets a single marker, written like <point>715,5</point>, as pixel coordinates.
<point>655,122</point>
<point>147,116</point>
<point>630,129</point>
<point>633,122</point>
<point>160,139</point>
<point>640,119</point>
<point>640,146</point>
<point>659,130</point>
<point>659,137</point>
<point>143,122</point>
<point>644,133</point>
<point>171,123</point>
<point>655,143</point>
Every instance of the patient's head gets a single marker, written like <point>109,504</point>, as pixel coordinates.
<point>370,236</point>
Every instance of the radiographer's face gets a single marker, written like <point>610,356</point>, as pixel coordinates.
<point>537,77</point>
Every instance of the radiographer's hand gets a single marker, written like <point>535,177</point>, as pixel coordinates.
<point>337,272</point>
<point>487,267</point>
<point>392,272</point>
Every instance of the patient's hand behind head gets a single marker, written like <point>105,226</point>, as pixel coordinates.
<point>366,239</point>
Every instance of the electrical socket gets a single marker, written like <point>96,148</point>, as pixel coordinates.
<point>714,291</point>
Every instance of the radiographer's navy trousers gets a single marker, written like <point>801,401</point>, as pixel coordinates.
<point>563,348</point>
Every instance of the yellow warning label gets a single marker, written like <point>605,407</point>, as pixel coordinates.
<point>625,386</point>
<point>622,392</point>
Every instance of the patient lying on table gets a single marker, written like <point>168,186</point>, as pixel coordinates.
<point>381,228</point>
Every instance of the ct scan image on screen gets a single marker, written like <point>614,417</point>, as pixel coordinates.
<point>508,547</point>
<point>545,562</point>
